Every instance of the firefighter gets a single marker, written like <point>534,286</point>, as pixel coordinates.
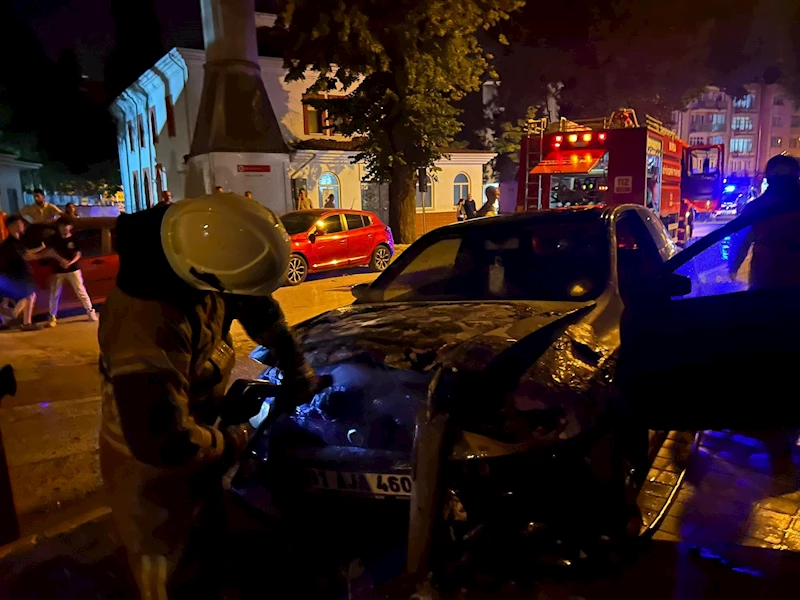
<point>775,262</point>
<point>774,241</point>
<point>186,271</point>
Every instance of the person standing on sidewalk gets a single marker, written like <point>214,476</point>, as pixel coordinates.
<point>67,255</point>
<point>303,201</point>
<point>41,211</point>
<point>186,272</point>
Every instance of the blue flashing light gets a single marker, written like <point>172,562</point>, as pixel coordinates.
<point>730,188</point>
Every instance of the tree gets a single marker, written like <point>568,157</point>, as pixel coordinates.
<point>405,65</point>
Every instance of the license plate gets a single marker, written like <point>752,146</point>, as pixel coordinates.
<point>363,483</point>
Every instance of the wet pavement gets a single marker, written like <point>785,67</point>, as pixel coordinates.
<point>50,428</point>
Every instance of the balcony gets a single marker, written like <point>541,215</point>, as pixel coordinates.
<point>709,105</point>
<point>744,109</point>
<point>743,130</point>
<point>742,154</point>
<point>708,127</point>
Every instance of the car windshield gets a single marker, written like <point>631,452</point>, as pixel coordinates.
<point>299,222</point>
<point>557,258</point>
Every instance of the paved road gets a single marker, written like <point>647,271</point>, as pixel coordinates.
<point>50,428</point>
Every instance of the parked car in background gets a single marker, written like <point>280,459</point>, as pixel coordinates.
<point>96,237</point>
<point>335,239</point>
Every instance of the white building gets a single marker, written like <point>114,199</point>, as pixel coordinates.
<point>156,118</point>
<point>11,197</point>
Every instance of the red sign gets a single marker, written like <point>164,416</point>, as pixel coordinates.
<point>253,168</point>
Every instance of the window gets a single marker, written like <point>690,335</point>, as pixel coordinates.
<point>742,145</point>
<point>795,120</point>
<point>367,220</point>
<point>89,242</point>
<point>140,122</point>
<point>554,258</point>
<point>332,224</point>
<point>316,121</point>
<point>777,121</point>
<point>328,186</point>
<point>777,101</point>
<point>425,199</point>
<point>696,141</point>
<point>717,121</point>
<point>741,123</point>
<point>153,125</point>
<point>354,221</point>
<point>148,194</point>
<point>313,120</point>
<point>747,101</point>
<point>716,139</point>
<point>793,143</point>
<point>776,142</point>
<point>131,137</point>
<point>460,188</point>
<point>171,129</point>
<point>136,200</point>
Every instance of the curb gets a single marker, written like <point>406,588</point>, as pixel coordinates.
<point>31,542</point>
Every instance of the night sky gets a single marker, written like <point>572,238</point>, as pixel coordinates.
<point>86,26</point>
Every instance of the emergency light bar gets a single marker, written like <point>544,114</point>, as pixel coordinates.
<point>558,140</point>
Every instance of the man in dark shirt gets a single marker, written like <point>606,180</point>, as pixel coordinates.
<point>16,275</point>
<point>67,256</point>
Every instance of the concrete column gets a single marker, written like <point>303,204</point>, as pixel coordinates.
<point>235,114</point>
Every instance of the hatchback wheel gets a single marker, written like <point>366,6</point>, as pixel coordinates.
<point>381,257</point>
<point>298,270</point>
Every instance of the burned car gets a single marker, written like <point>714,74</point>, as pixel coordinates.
<point>509,329</point>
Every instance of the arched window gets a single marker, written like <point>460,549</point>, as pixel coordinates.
<point>460,188</point>
<point>425,199</point>
<point>328,184</point>
<point>148,192</point>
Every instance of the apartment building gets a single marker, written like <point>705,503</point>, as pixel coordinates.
<point>753,128</point>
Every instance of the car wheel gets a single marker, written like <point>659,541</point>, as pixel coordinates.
<point>298,270</point>
<point>381,257</point>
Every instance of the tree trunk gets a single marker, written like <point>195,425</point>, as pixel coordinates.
<point>402,204</point>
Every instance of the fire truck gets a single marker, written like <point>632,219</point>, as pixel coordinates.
<point>615,160</point>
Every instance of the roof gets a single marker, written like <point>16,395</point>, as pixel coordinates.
<point>354,144</point>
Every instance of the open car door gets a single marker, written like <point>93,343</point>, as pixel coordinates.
<point>704,348</point>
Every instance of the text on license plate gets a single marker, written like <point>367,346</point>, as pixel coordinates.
<point>369,483</point>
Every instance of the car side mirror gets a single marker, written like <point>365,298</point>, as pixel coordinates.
<point>677,285</point>
<point>312,237</point>
<point>361,292</point>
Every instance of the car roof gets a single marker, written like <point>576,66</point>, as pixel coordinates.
<point>330,211</point>
<point>568,215</point>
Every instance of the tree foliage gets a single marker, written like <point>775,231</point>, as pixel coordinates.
<point>404,64</point>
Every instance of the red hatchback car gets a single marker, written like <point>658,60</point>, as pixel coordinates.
<point>336,239</point>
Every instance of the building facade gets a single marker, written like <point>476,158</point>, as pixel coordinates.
<point>753,128</point>
<point>156,118</point>
<point>11,195</point>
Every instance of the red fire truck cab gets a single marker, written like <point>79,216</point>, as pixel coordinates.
<point>608,161</point>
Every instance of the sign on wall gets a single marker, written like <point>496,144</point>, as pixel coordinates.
<point>623,185</point>
<point>253,168</point>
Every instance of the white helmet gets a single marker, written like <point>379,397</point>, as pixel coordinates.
<point>226,243</point>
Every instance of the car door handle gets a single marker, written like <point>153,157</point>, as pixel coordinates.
<point>342,241</point>
<point>98,261</point>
